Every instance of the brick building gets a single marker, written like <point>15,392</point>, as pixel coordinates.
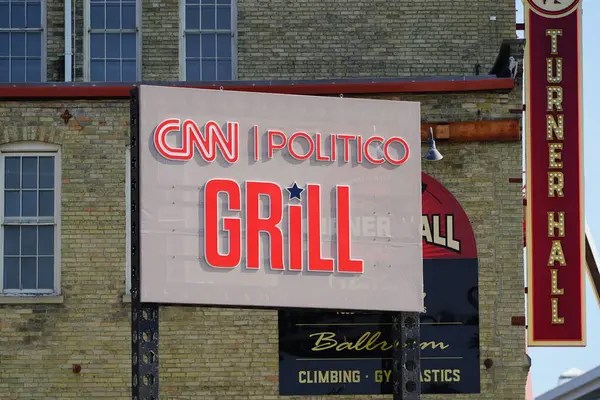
<point>64,131</point>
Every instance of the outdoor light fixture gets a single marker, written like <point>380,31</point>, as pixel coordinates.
<point>432,154</point>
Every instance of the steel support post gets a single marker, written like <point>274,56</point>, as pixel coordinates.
<point>144,317</point>
<point>406,364</point>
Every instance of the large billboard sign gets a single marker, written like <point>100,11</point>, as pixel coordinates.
<point>555,225</point>
<point>269,200</point>
<point>350,352</point>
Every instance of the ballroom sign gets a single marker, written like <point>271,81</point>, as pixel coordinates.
<point>350,352</point>
<point>250,199</point>
<point>555,224</point>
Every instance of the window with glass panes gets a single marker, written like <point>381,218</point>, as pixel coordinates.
<point>21,28</point>
<point>29,222</point>
<point>113,40</point>
<point>209,38</point>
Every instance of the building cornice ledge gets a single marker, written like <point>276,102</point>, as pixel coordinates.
<point>436,84</point>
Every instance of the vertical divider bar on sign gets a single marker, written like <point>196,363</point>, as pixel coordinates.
<point>144,317</point>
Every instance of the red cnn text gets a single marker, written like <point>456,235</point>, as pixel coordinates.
<point>206,142</point>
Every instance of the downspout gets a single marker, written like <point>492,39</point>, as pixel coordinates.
<point>68,47</point>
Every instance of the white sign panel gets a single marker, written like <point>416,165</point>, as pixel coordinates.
<point>268,200</point>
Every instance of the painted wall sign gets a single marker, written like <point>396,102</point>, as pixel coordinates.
<point>346,352</point>
<point>268,200</point>
<point>555,225</point>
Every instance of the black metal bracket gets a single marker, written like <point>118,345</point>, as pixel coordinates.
<point>406,356</point>
<point>144,316</point>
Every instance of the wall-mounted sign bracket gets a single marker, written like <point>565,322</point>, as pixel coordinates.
<point>406,360</point>
<point>144,317</point>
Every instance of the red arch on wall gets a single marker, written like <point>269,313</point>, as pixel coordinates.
<point>438,201</point>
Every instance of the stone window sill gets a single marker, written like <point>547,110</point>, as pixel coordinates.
<point>54,299</point>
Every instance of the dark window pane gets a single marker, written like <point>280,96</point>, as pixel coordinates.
<point>224,69</point>
<point>46,240</point>
<point>97,70</point>
<point>208,45</point>
<point>17,15</point>
<point>12,244</point>
<point>46,273</point>
<point>224,46</point>
<point>29,203</point>
<point>113,71</point>
<point>46,203</point>
<point>192,70</point>
<point>129,71</point>
<point>17,70</point>
<point>228,2</point>
<point>28,273</point>
<point>209,70</point>
<point>17,44</point>
<point>128,49</point>
<point>192,2</point>
<point>4,43</point>
<point>192,17</point>
<point>29,240</point>
<point>34,15</point>
<point>12,172</point>
<point>34,70</point>
<point>46,172</point>
<point>29,172</point>
<point>34,44</point>
<point>113,45</point>
<point>128,16</point>
<point>192,46</point>
<point>208,17</point>
<point>97,45</point>
<point>12,204</point>
<point>97,16</point>
<point>11,273</point>
<point>4,70</point>
<point>4,16</point>
<point>223,18</point>
<point>113,16</point>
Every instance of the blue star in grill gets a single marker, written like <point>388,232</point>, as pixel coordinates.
<point>295,191</point>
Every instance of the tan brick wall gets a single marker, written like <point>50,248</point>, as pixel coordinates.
<point>209,353</point>
<point>314,39</point>
<point>160,40</point>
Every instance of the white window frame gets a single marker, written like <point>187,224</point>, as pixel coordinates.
<point>87,52</point>
<point>127,220</point>
<point>37,149</point>
<point>234,41</point>
<point>43,46</point>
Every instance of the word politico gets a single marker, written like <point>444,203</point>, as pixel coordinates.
<point>327,148</point>
<point>254,225</point>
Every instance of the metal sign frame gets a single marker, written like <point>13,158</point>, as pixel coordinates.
<point>144,317</point>
<point>145,382</point>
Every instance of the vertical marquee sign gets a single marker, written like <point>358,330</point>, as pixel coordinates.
<point>555,194</point>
